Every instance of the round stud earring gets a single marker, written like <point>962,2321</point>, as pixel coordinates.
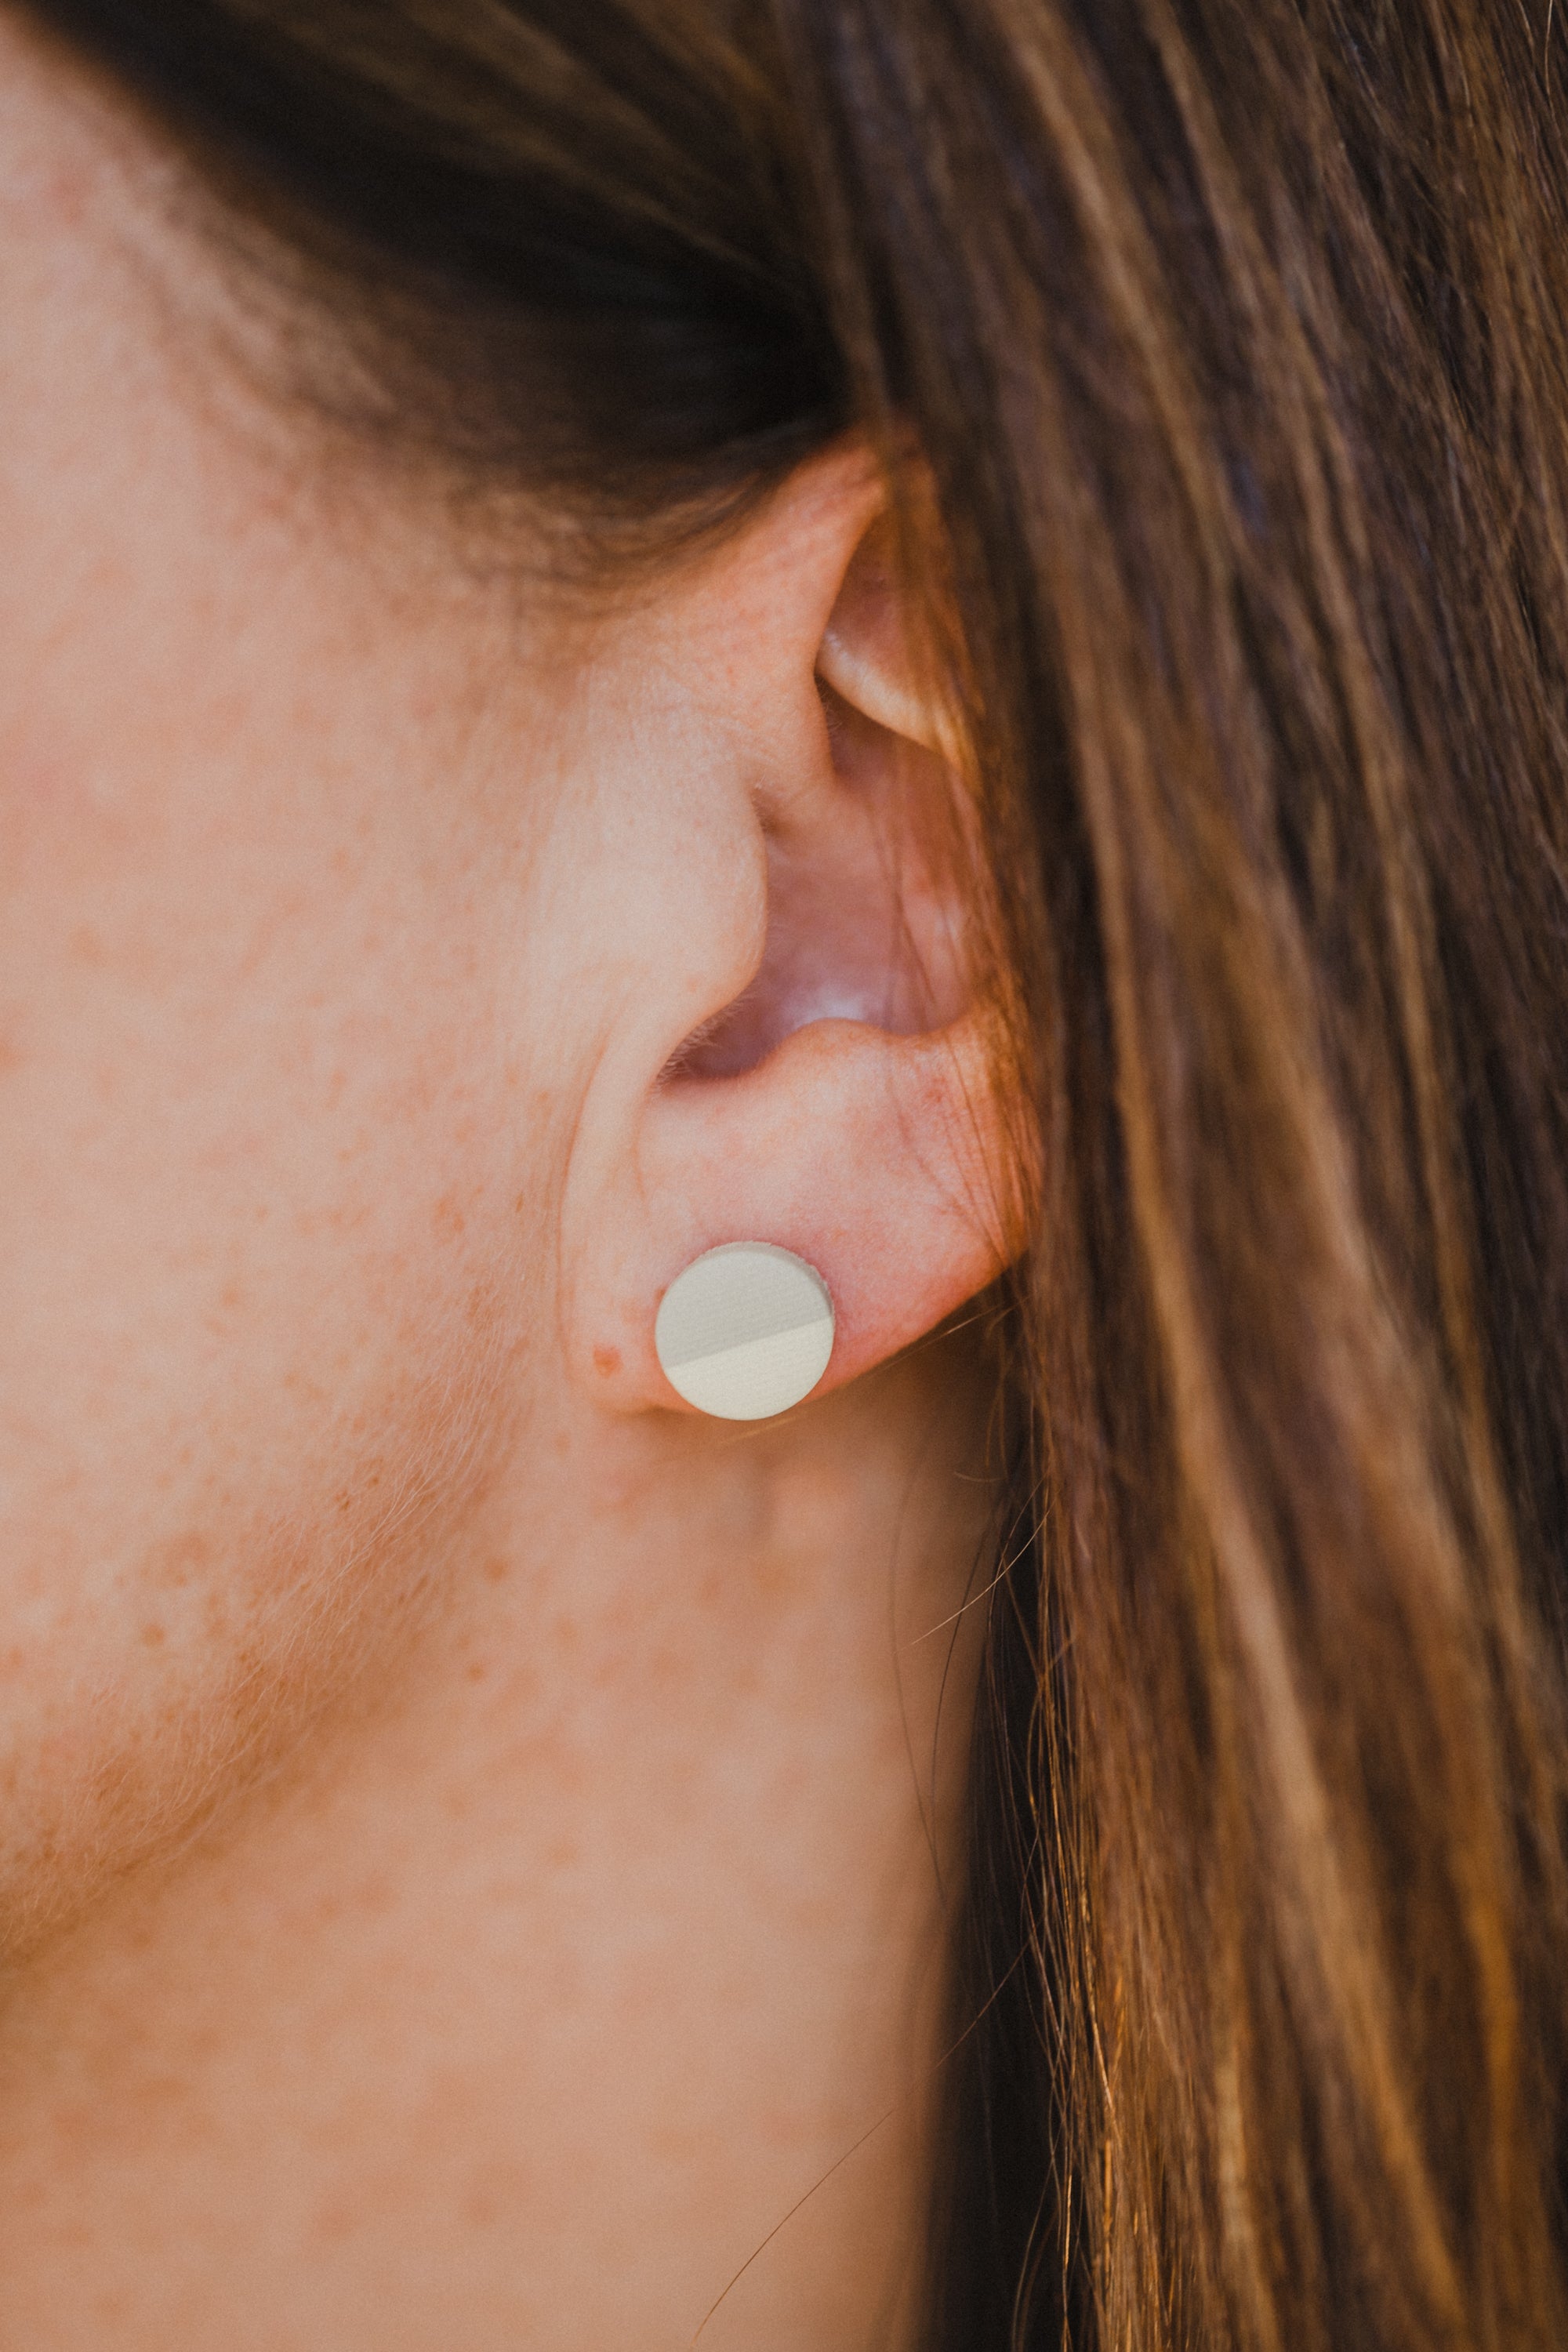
<point>745,1331</point>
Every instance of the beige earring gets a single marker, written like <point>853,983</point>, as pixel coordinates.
<point>745,1331</point>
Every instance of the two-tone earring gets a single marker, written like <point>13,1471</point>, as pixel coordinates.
<point>745,1331</point>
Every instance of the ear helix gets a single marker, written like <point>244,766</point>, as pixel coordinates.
<point>745,1331</point>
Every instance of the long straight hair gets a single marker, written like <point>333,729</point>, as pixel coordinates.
<point>1232,334</point>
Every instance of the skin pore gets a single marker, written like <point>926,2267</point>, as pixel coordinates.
<point>476,1838</point>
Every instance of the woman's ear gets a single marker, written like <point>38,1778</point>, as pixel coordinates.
<point>804,1059</point>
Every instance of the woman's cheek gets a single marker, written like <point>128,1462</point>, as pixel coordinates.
<point>260,1275</point>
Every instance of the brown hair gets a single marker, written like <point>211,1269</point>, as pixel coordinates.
<point>1231,333</point>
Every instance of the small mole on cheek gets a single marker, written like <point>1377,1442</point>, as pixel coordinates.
<point>606,1361</point>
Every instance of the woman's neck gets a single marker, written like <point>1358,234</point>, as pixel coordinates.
<point>598,1928</point>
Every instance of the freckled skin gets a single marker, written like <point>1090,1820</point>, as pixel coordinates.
<point>466,1849</point>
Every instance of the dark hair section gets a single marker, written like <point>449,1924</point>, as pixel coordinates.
<point>1232,334</point>
<point>554,228</point>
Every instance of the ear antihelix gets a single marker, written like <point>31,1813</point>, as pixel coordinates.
<point>745,1331</point>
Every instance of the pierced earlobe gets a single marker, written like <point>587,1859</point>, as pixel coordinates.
<point>746,1331</point>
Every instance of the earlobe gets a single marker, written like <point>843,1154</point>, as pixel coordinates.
<point>872,1158</point>
<point>841,1107</point>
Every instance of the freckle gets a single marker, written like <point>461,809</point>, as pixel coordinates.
<point>495,1569</point>
<point>69,190</point>
<point>152,1637</point>
<point>334,2223</point>
<point>607,1360</point>
<point>175,1565</point>
<point>477,1672</point>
